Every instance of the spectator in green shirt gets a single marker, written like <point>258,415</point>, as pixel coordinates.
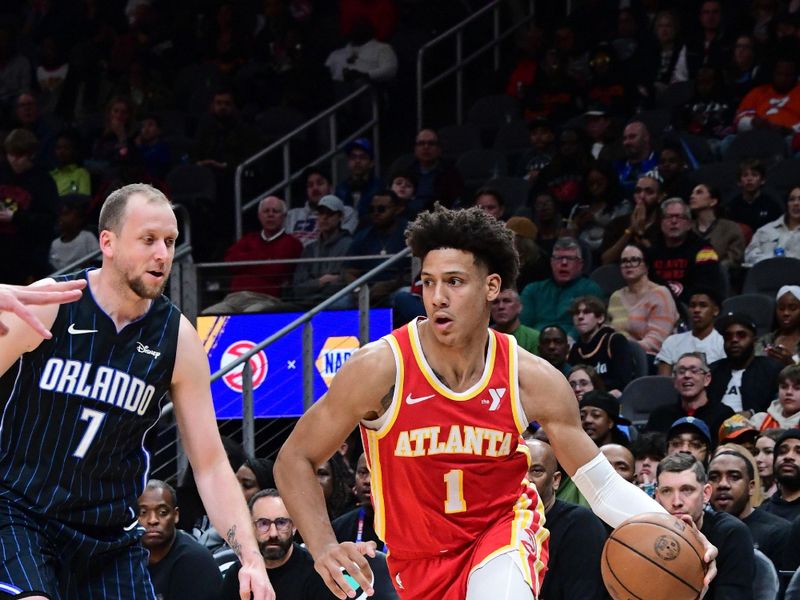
<point>548,301</point>
<point>505,319</point>
<point>70,177</point>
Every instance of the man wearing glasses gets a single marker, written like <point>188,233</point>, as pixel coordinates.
<point>436,179</point>
<point>548,301</point>
<point>692,377</point>
<point>289,565</point>
<point>679,257</point>
<point>745,382</point>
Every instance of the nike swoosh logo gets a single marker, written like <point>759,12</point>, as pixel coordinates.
<point>410,400</point>
<point>132,526</point>
<point>75,331</point>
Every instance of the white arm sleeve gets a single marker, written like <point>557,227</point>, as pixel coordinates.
<point>611,497</point>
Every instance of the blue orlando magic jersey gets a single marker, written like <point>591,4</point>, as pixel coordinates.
<point>72,431</point>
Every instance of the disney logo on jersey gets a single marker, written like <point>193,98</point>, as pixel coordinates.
<point>142,349</point>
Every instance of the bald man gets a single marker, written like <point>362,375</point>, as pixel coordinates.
<point>576,534</point>
<point>258,288</point>
<point>621,459</point>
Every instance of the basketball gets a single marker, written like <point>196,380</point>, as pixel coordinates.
<point>654,556</point>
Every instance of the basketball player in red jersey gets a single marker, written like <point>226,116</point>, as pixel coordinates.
<point>442,402</point>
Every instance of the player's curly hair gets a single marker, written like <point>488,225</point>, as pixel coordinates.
<point>471,230</point>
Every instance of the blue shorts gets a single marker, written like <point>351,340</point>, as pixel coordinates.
<point>40,556</point>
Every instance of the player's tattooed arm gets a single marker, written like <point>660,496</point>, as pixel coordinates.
<point>233,542</point>
<point>386,402</point>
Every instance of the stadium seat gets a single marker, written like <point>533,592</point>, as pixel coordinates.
<point>514,191</point>
<point>783,177</point>
<point>457,139</point>
<point>192,183</point>
<point>766,144</point>
<point>768,276</point>
<point>478,166</point>
<point>760,308</point>
<point>793,589</point>
<point>658,121</point>
<point>608,277</point>
<point>401,163</point>
<point>513,137</point>
<point>490,113</point>
<point>765,582</point>
<point>676,95</point>
<point>639,356</point>
<point>173,122</point>
<point>225,559</point>
<point>642,395</point>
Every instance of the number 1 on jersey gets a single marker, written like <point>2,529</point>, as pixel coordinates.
<point>95,419</point>
<point>454,503</point>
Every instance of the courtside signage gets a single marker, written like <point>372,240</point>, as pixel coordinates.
<point>278,369</point>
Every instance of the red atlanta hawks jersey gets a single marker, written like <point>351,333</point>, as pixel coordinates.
<point>445,466</point>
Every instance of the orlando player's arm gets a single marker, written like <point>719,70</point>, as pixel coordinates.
<point>360,390</point>
<point>218,487</point>
<point>547,398</point>
<point>22,300</point>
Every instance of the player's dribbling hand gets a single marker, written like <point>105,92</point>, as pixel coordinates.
<point>709,557</point>
<point>14,298</point>
<point>350,557</point>
<point>254,582</point>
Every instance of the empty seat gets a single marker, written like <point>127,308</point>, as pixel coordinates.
<point>192,183</point>
<point>641,396</point>
<point>765,581</point>
<point>513,137</point>
<point>490,113</point>
<point>758,143</point>
<point>457,139</point>
<point>784,176</point>
<point>768,276</point>
<point>608,277</point>
<point>639,359</point>
<point>759,307</point>
<point>478,166</point>
<point>676,95</point>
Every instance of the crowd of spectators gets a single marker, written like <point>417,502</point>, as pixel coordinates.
<point>659,135</point>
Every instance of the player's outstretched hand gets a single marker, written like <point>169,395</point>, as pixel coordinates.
<point>15,298</point>
<point>709,557</point>
<point>254,581</point>
<point>350,557</point>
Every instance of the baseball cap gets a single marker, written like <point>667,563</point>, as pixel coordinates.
<point>332,203</point>
<point>604,401</point>
<point>523,227</point>
<point>361,143</point>
<point>690,423</point>
<point>789,434</point>
<point>734,318</point>
<point>596,109</point>
<point>735,428</point>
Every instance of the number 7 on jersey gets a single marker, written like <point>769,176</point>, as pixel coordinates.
<point>454,501</point>
<point>95,419</point>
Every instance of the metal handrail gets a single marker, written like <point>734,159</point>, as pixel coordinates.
<point>289,175</point>
<point>304,318</point>
<point>460,61</point>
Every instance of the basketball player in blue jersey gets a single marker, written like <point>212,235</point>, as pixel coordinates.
<point>72,464</point>
<point>430,376</point>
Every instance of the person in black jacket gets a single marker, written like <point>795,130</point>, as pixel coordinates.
<point>732,479</point>
<point>576,535</point>
<point>745,382</point>
<point>786,501</point>
<point>180,568</point>
<point>289,565</point>
<point>682,488</point>
<point>599,345</point>
<point>692,378</point>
